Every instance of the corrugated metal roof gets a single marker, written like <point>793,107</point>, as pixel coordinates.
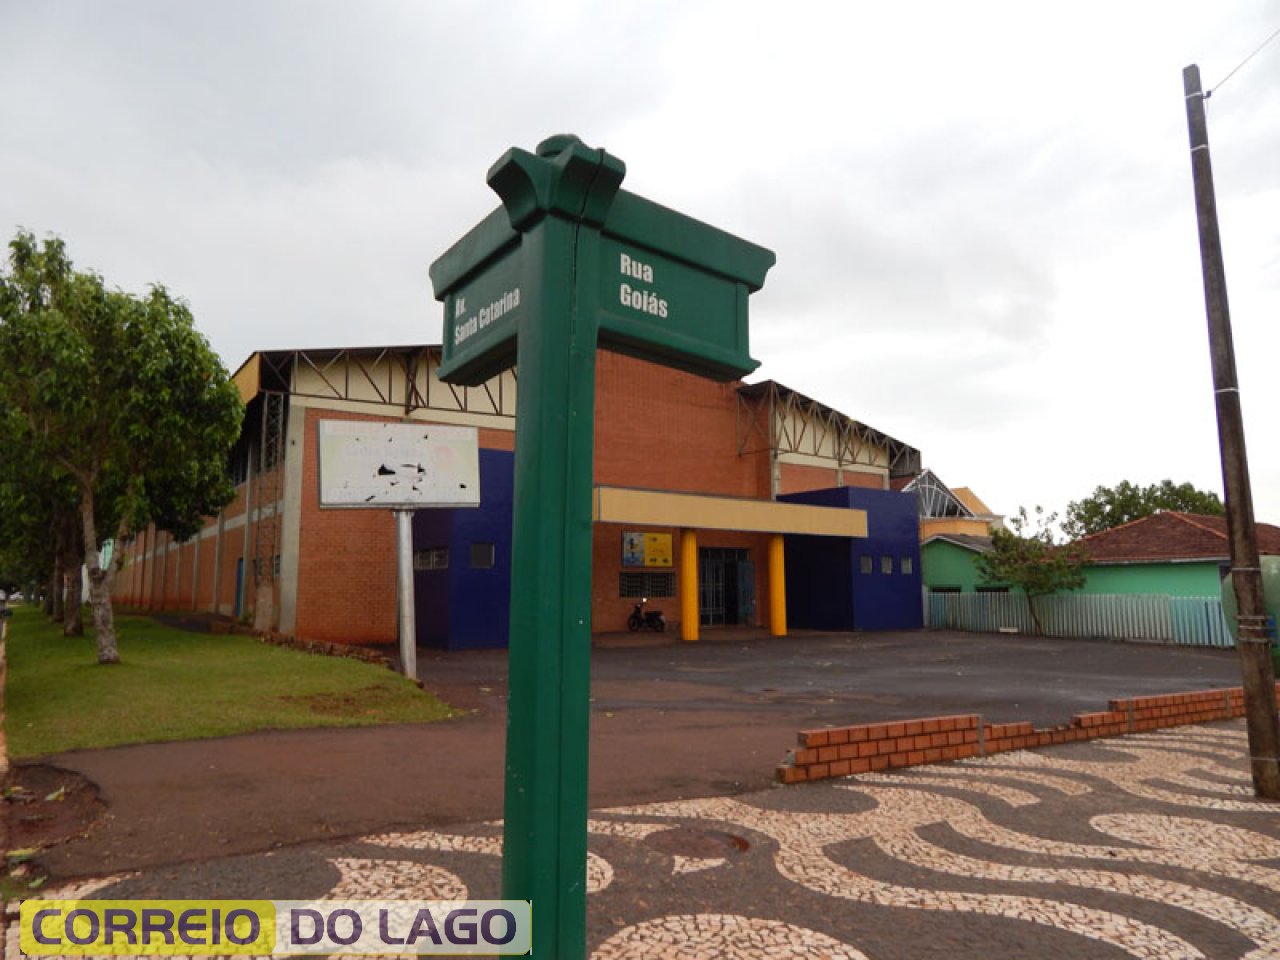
<point>967,540</point>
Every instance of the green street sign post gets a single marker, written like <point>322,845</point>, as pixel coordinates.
<point>568,263</point>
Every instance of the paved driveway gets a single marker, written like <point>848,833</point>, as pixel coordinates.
<point>671,722</point>
<point>855,678</point>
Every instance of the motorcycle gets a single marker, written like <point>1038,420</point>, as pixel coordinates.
<point>649,619</point>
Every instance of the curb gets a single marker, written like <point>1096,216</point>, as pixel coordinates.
<point>843,751</point>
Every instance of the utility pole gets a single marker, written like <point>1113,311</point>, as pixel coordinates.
<point>1246,570</point>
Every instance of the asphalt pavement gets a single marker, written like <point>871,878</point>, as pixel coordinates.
<point>1086,850</point>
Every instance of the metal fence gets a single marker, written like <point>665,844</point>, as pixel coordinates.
<point>1194,621</point>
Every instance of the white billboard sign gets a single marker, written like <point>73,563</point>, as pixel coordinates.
<point>398,465</point>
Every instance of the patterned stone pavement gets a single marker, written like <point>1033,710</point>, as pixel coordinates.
<point>1147,846</point>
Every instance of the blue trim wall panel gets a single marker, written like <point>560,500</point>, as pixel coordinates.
<point>818,576</point>
<point>467,608</point>
<point>831,591</point>
<point>431,588</point>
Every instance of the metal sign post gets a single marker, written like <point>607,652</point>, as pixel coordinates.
<point>404,467</point>
<point>406,612</point>
<point>570,261</point>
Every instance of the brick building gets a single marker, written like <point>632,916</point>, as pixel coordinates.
<point>725,479</point>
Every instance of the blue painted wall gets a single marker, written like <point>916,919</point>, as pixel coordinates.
<point>828,584</point>
<point>819,583</point>
<point>431,588</point>
<point>463,607</point>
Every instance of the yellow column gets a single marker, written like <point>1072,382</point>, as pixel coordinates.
<point>688,585</point>
<point>777,587</point>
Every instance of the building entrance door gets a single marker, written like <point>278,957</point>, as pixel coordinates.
<point>726,587</point>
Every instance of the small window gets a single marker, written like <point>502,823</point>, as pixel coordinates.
<point>482,556</point>
<point>886,565</point>
<point>867,565</point>
<point>646,584</point>
<point>238,463</point>
<point>433,558</point>
<point>258,567</point>
<point>993,589</point>
<point>907,566</point>
<point>944,589</point>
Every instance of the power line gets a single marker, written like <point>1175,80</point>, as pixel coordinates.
<point>1214,89</point>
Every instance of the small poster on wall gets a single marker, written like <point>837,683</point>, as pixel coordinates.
<point>633,549</point>
<point>646,549</point>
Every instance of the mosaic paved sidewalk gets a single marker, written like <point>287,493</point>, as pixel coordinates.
<point>1147,846</point>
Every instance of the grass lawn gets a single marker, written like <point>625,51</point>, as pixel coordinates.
<point>176,685</point>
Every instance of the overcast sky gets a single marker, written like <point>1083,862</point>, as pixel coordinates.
<point>982,212</point>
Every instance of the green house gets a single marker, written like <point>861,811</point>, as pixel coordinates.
<point>1170,553</point>
<point>948,563</point>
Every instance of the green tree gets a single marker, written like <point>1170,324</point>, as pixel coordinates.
<point>39,527</point>
<point>1110,507</point>
<point>1026,557</point>
<point>120,395</point>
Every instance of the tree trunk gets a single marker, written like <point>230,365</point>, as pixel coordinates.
<point>99,583</point>
<point>1035,616</point>
<point>68,546</point>
<point>73,610</point>
<point>57,591</point>
<point>51,589</point>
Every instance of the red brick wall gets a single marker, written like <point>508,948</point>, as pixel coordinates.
<point>204,585</point>
<point>236,507</point>
<point>186,571</point>
<point>169,575</point>
<point>856,478</point>
<point>663,429</point>
<point>122,591</point>
<point>841,751</point>
<point>609,611</point>
<point>151,568</point>
<point>656,428</point>
<point>797,478</point>
<point>346,585</point>
<point>232,549</point>
<point>347,558</point>
<point>154,577</point>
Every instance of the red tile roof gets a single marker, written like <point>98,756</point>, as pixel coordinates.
<point>1172,536</point>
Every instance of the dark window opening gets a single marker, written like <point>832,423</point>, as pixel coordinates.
<point>635,584</point>
<point>433,558</point>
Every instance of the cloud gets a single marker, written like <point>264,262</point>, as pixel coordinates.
<point>982,212</point>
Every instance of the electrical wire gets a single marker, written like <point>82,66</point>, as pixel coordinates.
<point>1214,89</point>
